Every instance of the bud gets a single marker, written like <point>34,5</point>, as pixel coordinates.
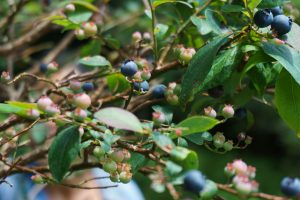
<point>158,118</point>
<point>75,85</point>
<point>136,36</point>
<point>89,28</point>
<point>33,113</point>
<point>210,112</point>
<point>44,102</point>
<point>125,177</point>
<point>82,100</point>
<point>52,110</point>
<point>79,114</point>
<point>80,35</point>
<point>5,77</point>
<point>145,74</point>
<point>70,7</point>
<point>228,111</point>
<point>52,67</point>
<point>219,140</point>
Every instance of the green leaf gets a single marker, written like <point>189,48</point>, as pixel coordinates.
<point>119,118</point>
<point>184,157</point>
<point>199,67</point>
<point>201,24</point>
<point>173,168</point>
<point>136,161</point>
<point>5,108</point>
<point>63,150</point>
<point>286,56</point>
<point>166,111</point>
<point>196,124</point>
<point>213,23</point>
<point>222,68</point>
<point>161,30</point>
<point>39,133</point>
<point>94,61</point>
<point>23,105</point>
<point>117,83</point>
<point>271,3</point>
<point>252,4</point>
<point>287,100</point>
<point>232,8</point>
<point>162,141</point>
<point>157,3</point>
<point>293,38</point>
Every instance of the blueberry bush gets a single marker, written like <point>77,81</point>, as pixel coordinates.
<point>86,85</point>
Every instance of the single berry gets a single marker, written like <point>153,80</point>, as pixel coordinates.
<point>263,18</point>
<point>33,113</point>
<point>239,167</point>
<point>172,99</point>
<point>244,185</point>
<point>79,114</point>
<point>210,112</point>
<point>145,74</point>
<point>43,68</point>
<point>129,68</point>
<point>52,110</point>
<point>114,177</point>
<point>44,102</point>
<point>88,86</point>
<point>228,111</point>
<point>241,136</point>
<point>210,190</point>
<point>70,7</point>
<point>82,100</point>
<point>89,28</point>
<point>194,181</point>
<point>290,186</point>
<point>80,35</point>
<point>219,140</point>
<point>281,24</point>
<point>141,86</point>
<point>228,145</point>
<point>125,177</point>
<point>37,179</point>
<point>158,118</point>
<point>248,140</point>
<point>216,92</point>
<point>110,166</point>
<point>186,55</point>
<point>5,77</point>
<point>98,152</point>
<point>75,85</point>
<point>276,11</point>
<point>147,37</point>
<point>117,156</point>
<point>52,67</point>
<point>136,36</point>
<point>159,91</point>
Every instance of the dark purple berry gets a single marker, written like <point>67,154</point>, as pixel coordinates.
<point>194,181</point>
<point>263,18</point>
<point>281,24</point>
<point>88,86</point>
<point>159,91</point>
<point>276,11</point>
<point>43,67</point>
<point>129,68</point>
<point>290,186</point>
<point>141,86</point>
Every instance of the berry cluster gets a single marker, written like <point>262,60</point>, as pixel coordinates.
<point>88,29</point>
<point>195,182</point>
<point>280,24</point>
<point>137,37</point>
<point>227,111</point>
<point>114,163</point>
<point>242,176</point>
<point>184,55</point>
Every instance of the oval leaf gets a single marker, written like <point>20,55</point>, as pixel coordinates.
<point>94,61</point>
<point>287,99</point>
<point>119,118</point>
<point>63,150</point>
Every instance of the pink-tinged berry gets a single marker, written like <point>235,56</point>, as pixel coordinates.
<point>5,77</point>
<point>70,7</point>
<point>82,100</point>
<point>52,110</point>
<point>186,55</point>
<point>37,179</point>
<point>210,112</point>
<point>125,177</point>
<point>80,35</point>
<point>44,102</point>
<point>239,167</point>
<point>89,28</point>
<point>178,132</point>
<point>228,111</point>
<point>117,156</point>
<point>158,118</point>
<point>110,166</point>
<point>136,36</point>
<point>75,85</point>
<point>79,114</point>
<point>114,177</point>
<point>145,74</point>
<point>244,185</point>
<point>52,67</point>
<point>251,171</point>
<point>147,36</point>
<point>33,113</point>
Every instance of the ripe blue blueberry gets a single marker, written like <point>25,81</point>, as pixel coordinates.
<point>276,11</point>
<point>290,186</point>
<point>159,91</point>
<point>141,86</point>
<point>129,68</point>
<point>263,18</point>
<point>88,86</point>
<point>194,181</point>
<point>281,24</point>
<point>43,67</point>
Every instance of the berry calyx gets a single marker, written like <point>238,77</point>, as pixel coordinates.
<point>159,91</point>
<point>82,100</point>
<point>263,18</point>
<point>44,102</point>
<point>281,25</point>
<point>186,55</point>
<point>194,181</point>
<point>129,68</point>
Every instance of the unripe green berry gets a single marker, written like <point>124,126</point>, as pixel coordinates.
<point>210,190</point>
<point>89,28</point>
<point>117,156</point>
<point>125,177</point>
<point>98,152</point>
<point>114,177</point>
<point>219,140</point>
<point>110,166</point>
<point>228,146</point>
<point>82,100</point>
<point>37,179</point>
